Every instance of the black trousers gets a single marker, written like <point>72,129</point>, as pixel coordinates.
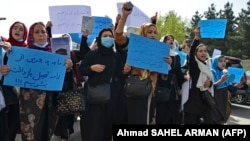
<point>96,123</point>
<point>9,122</point>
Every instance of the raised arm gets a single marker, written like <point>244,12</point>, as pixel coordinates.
<point>194,44</point>
<point>84,48</point>
<point>120,38</point>
<point>154,18</point>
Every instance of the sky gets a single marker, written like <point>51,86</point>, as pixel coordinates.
<point>31,11</point>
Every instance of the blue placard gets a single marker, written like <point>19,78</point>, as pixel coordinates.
<point>147,54</point>
<point>76,37</point>
<point>214,28</point>
<point>99,24</point>
<point>236,73</point>
<point>183,56</point>
<point>1,55</point>
<point>30,68</point>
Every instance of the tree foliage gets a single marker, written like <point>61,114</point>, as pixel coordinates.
<point>171,23</point>
<point>236,41</point>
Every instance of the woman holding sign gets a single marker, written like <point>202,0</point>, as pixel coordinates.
<point>37,110</point>
<point>220,88</point>
<point>9,117</point>
<point>138,109</point>
<point>168,107</point>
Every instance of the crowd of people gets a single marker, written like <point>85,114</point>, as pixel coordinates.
<point>105,63</point>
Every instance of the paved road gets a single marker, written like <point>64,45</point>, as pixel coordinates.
<point>239,116</point>
<point>76,136</point>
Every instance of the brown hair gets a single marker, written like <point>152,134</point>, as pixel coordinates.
<point>144,28</point>
<point>166,37</point>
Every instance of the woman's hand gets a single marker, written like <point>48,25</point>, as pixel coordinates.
<point>97,67</point>
<point>125,9</point>
<point>68,64</point>
<point>187,76</point>
<point>126,68</point>
<point>197,33</point>
<point>49,24</point>
<point>4,69</point>
<point>118,17</point>
<point>85,32</point>
<point>224,77</point>
<point>6,46</point>
<point>154,18</point>
<point>168,60</point>
<point>207,84</point>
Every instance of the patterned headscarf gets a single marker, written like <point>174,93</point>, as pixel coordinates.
<point>31,39</point>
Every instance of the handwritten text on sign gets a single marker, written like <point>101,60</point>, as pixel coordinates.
<point>68,18</point>
<point>147,54</point>
<point>99,24</point>
<point>35,69</point>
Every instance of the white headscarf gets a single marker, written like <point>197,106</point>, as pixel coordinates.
<point>205,75</point>
<point>70,40</point>
<point>172,50</point>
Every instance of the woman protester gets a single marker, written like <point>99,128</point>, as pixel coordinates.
<point>65,124</point>
<point>138,109</point>
<point>168,110</point>
<point>220,89</point>
<point>37,107</point>
<point>102,66</point>
<point>9,117</point>
<point>196,110</point>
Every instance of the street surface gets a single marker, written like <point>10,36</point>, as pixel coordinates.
<point>240,115</point>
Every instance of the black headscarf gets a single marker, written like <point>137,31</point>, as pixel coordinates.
<point>102,49</point>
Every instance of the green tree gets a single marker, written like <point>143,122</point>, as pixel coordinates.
<point>227,43</point>
<point>211,42</point>
<point>194,23</point>
<point>212,12</point>
<point>244,34</point>
<point>173,24</point>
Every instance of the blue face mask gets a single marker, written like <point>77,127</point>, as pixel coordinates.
<point>41,46</point>
<point>108,42</point>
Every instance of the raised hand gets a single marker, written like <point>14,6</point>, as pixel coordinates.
<point>197,33</point>
<point>154,18</point>
<point>125,9</point>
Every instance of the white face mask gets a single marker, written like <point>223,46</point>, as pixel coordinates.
<point>41,46</point>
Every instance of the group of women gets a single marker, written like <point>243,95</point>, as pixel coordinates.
<point>107,65</point>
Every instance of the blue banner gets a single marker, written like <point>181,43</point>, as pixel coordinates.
<point>30,68</point>
<point>147,54</point>
<point>214,28</point>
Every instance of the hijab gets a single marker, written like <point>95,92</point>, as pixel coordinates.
<point>205,74</point>
<point>143,73</point>
<point>101,48</point>
<point>144,28</point>
<point>172,51</point>
<point>31,43</point>
<point>13,41</point>
<point>217,72</point>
